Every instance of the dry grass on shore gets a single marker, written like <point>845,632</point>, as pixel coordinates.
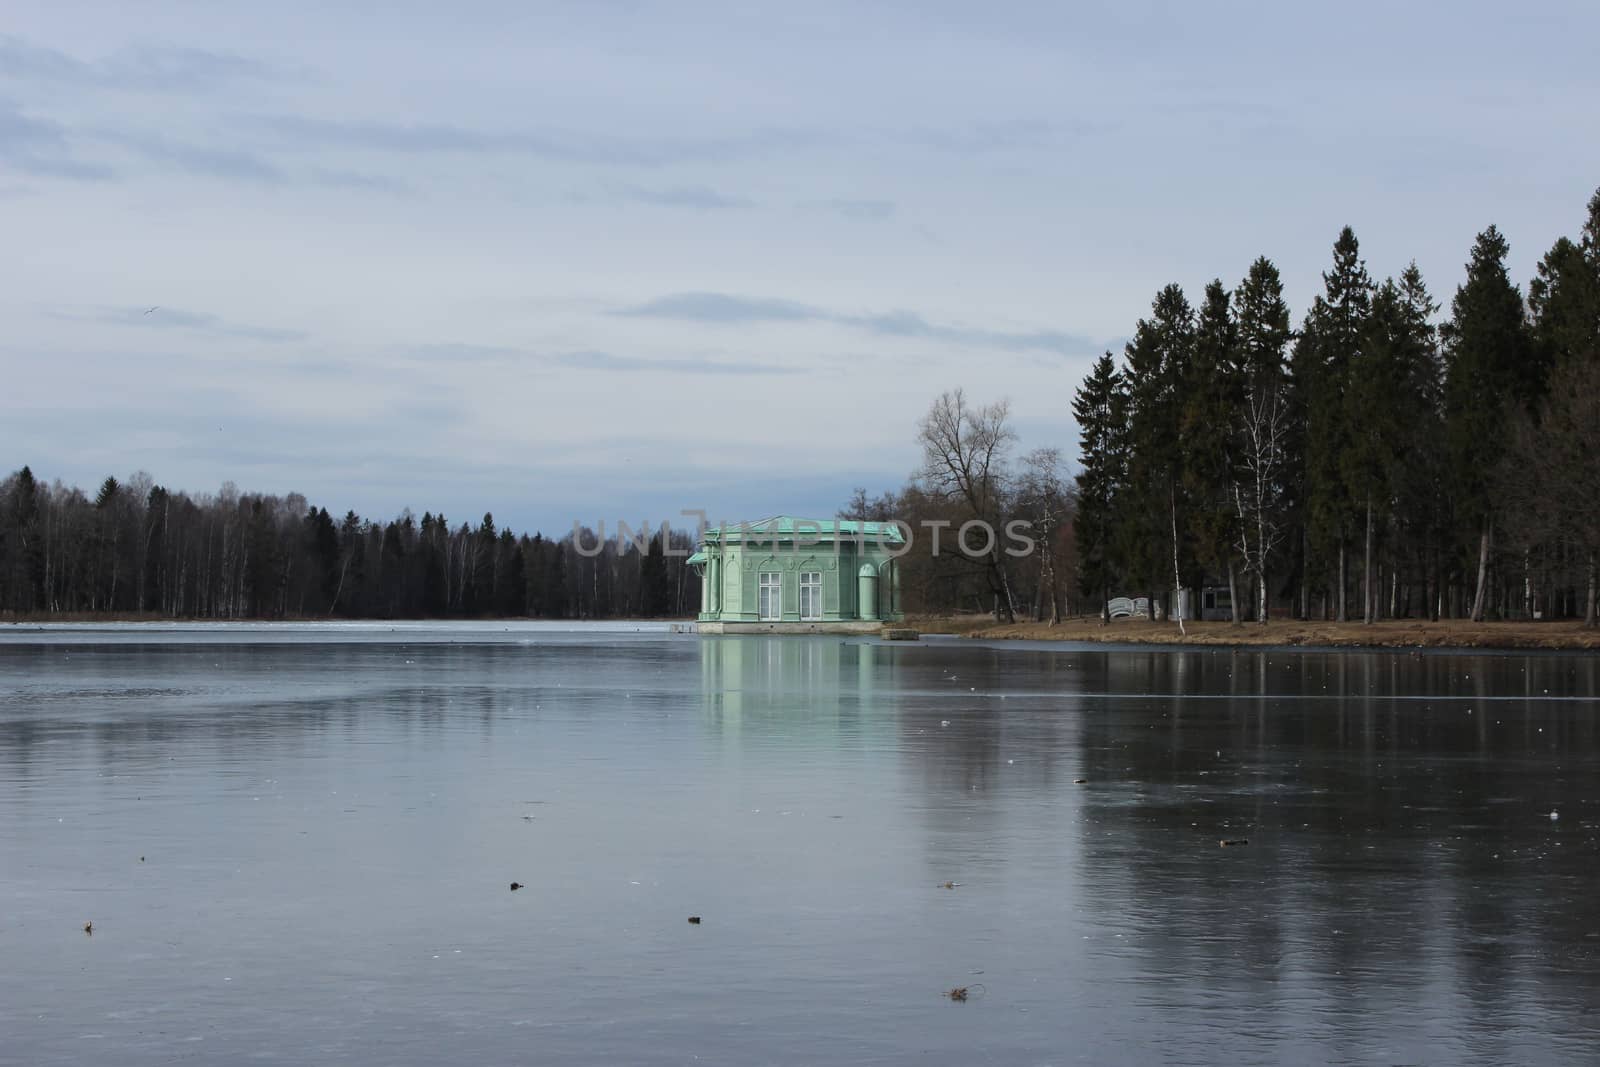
<point>1390,633</point>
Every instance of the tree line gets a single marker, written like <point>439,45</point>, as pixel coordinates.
<point>139,549</point>
<point>1371,463</point>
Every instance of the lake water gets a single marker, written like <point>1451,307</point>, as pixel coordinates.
<point>295,844</point>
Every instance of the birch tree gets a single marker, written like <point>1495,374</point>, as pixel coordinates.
<point>1258,487</point>
<point>1043,499</point>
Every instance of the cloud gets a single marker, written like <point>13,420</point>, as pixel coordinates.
<point>153,68</point>
<point>860,210</point>
<point>169,318</point>
<point>645,150</point>
<point>722,308</point>
<point>588,359</point>
<point>348,179</point>
<point>556,145</point>
<point>179,69</point>
<point>40,146</point>
<point>21,60</point>
<point>1002,135</point>
<point>458,352</point>
<point>20,131</point>
<point>605,361</point>
<point>910,324</point>
<point>43,147</point>
<point>197,159</point>
<point>725,308</point>
<point>693,197</point>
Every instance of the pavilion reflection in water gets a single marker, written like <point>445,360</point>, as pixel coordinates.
<point>806,687</point>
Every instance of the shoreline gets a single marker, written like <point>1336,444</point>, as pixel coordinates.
<point>124,618</point>
<point>1556,636</point>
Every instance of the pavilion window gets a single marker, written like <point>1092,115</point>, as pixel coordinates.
<point>810,596</point>
<point>769,597</point>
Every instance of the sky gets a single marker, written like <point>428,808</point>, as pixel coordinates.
<point>594,261</point>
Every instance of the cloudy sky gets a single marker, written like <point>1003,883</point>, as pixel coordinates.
<point>599,260</point>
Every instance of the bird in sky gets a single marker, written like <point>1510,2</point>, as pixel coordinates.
<point>150,309</point>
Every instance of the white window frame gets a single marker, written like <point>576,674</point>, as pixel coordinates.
<point>769,596</point>
<point>811,605</point>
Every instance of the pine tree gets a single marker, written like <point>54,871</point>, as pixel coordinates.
<point>1157,363</point>
<point>346,599</point>
<point>557,604</point>
<point>1100,408</point>
<point>1375,414</point>
<point>263,572</point>
<point>1564,298</point>
<point>104,577</point>
<point>153,579</point>
<point>322,545</point>
<point>1490,368</point>
<point>481,587</point>
<point>22,561</point>
<point>434,537</point>
<point>1261,424</point>
<point>1421,505</point>
<point>1208,401</point>
<point>655,585</point>
<point>513,586</point>
<point>1330,342</point>
<point>1554,469</point>
<point>534,569</point>
<point>1560,304</point>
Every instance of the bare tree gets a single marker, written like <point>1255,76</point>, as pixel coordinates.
<point>964,456</point>
<point>1258,485</point>
<point>857,507</point>
<point>864,508</point>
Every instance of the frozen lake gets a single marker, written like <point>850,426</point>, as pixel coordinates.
<point>295,844</point>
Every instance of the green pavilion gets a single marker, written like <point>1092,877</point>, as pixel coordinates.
<point>786,574</point>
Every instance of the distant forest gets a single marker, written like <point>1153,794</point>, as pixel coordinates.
<point>140,549</point>
<point>1374,463</point>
